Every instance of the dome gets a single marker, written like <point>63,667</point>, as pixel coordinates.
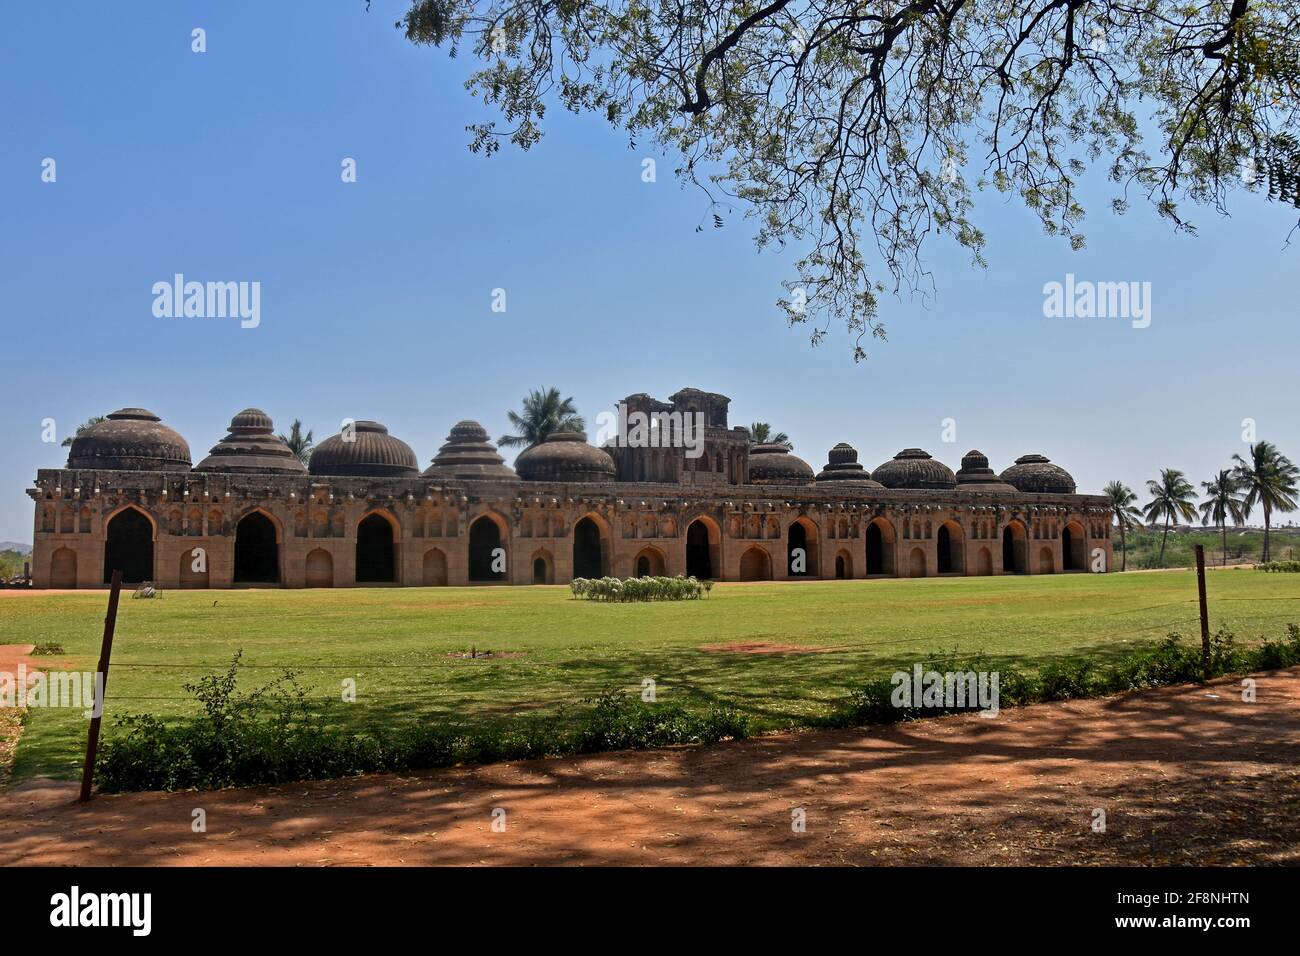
<point>469,454</point>
<point>914,468</point>
<point>773,464</point>
<point>564,456</point>
<point>1037,475</point>
<point>371,452</point>
<point>976,475</point>
<point>843,467</point>
<point>130,439</point>
<point>252,447</point>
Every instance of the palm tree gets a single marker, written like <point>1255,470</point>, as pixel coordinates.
<point>760,433</point>
<point>543,414</point>
<point>300,444</point>
<point>1223,501</point>
<point>82,427</point>
<point>1269,480</point>
<point>1171,499</point>
<point>1123,508</point>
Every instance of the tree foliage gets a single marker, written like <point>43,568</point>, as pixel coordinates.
<point>855,131</point>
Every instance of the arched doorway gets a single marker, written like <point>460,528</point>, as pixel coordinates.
<point>880,547</point>
<point>1046,563</point>
<point>802,537</point>
<point>984,563</point>
<point>486,551</point>
<point>700,541</point>
<point>320,569</point>
<point>63,568</point>
<point>649,561</point>
<point>257,553</point>
<point>434,569</point>
<point>843,566</point>
<point>588,560</point>
<point>190,575</point>
<point>755,565</point>
<point>950,541</point>
<point>128,547</point>
<point>1013,548</point>
<point>916,563</point>
<point>376,551</point>
<point>543,568</point>
<point>1074,545</point>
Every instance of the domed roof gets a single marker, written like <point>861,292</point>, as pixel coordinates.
<point>1037,475</point>
<point>976,475</point>
<point>252,447</point>
<point>773,464</point>
<point>130,439</point>
<point>371,452</point>
<point>469,454</point>
<point>843,467</point>
<point>565,456</point>
<point>914,468</point>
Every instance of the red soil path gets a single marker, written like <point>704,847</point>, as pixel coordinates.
<point>1185,775</point>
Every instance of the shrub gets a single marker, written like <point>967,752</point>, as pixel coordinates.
<point>1290,567</point>
<point>269,736</point>
<point>679,588</point>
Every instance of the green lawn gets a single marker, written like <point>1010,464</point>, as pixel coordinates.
<point>397,644</point>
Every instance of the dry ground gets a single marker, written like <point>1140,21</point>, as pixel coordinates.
<point>1185,775</point>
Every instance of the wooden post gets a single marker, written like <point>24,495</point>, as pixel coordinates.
<point>1205,612</point>
<point>92,737</point>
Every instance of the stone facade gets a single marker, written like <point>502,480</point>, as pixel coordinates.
<point>363,514</point>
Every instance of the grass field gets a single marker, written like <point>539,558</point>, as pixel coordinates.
<point>402,646</point>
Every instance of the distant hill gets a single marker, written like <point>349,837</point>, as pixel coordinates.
<point>15,546</point>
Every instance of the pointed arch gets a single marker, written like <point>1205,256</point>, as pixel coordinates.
<point>1015,548</point>
<point>63,568</point>
<point>320,569</point>
<point>433,568</point>
<point>951,545</point>
<point>378,533</point>
<point>703,547</point>
<point>880,547</point>
<point>258,539</point>
<point>649,561</point>
<point>488,532</point>
<point>592,546</point>
<point>755,565</point>
<point>129,540</point>
<point>542,563</point>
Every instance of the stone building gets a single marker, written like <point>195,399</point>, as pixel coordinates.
<point>364,513</point>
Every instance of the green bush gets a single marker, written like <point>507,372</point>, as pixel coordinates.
<point>1169,661</point>
<point>640,589</point>
<point>1291,567</point>
<point>269,736</point>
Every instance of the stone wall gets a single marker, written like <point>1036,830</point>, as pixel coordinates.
<point>746,529</point>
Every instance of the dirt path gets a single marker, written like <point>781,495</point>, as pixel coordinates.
<point>1184,775</point>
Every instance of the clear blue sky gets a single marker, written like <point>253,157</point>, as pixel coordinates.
<point>376,295</point>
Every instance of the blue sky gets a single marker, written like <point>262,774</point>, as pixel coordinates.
<point>376,295</point>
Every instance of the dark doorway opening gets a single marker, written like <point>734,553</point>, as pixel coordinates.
<point>484,539</point>
<point>945,550</point>
<point>797,539</point>
<point>257,555</point>
<point>1012,555</point>
<point>699,560</point>
<point>1067,551</point>
<point>376,555</point>
<point>539,570</point>
<point>586,550</point>
<point>875,549</point>
<point>129,547</point>
<point>839,567</point>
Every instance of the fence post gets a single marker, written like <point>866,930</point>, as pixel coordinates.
<point>1205,613</point>
<point>92,737</point>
